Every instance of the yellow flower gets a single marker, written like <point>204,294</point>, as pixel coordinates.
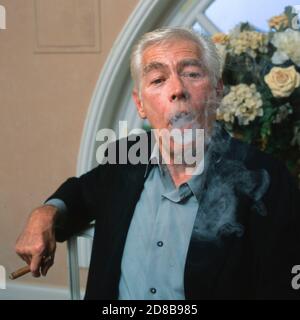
<point>243,102</point>
<point>282,81</point>
<point>220,38</point>
<point>249,42</point>
<point>277,22</point>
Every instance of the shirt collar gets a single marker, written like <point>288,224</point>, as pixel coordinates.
<point>194,183</point>
<point>154,159</point>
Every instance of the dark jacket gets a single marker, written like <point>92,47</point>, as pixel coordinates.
<point>249,257</point>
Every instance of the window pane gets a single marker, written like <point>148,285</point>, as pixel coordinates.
<point>226,14</point>
<point>199,29</point>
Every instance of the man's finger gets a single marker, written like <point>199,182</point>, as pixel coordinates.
<point>35,265</point>
<point>47,263</point>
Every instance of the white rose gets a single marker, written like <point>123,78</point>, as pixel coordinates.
<point>288,46</point>
<point>282,81</point>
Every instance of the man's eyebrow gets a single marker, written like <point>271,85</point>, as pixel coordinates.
<point>189,62</point>
<point>153,66</point>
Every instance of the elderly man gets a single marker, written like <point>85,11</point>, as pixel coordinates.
<point>227,228</point>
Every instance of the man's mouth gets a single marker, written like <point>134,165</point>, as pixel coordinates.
<point>182,120</point>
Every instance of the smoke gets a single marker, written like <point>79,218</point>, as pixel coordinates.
<point>182,118</point>
<point>189,131</point>
<point>225,182</point>
<point>185,116</point>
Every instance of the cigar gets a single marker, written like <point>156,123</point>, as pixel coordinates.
<point>24,270</point>
<point>19,273</point>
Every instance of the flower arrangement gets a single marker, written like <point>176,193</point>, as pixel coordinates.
<point>261,75</point>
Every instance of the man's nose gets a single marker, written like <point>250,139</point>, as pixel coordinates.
<point>177,89</point>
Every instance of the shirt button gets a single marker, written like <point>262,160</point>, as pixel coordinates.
<point>153,290</point>
<point>160,243</point>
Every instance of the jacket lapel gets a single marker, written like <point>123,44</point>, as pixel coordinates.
<point>128,183</point>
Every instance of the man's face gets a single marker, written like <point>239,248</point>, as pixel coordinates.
<point>175,89</point>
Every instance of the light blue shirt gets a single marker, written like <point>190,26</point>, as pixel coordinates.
<point>158,238</point>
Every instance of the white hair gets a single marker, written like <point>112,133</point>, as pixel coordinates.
<point>209,55</point>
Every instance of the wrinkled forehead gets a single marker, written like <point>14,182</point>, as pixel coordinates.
<point>163,50</point>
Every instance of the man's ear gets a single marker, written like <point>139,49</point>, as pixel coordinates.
<point>139,104</point>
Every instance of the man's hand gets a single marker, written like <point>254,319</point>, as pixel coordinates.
<point>36,245</point>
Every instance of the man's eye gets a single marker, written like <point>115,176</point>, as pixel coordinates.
<point>192,75</point>
<point>157,81</point>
